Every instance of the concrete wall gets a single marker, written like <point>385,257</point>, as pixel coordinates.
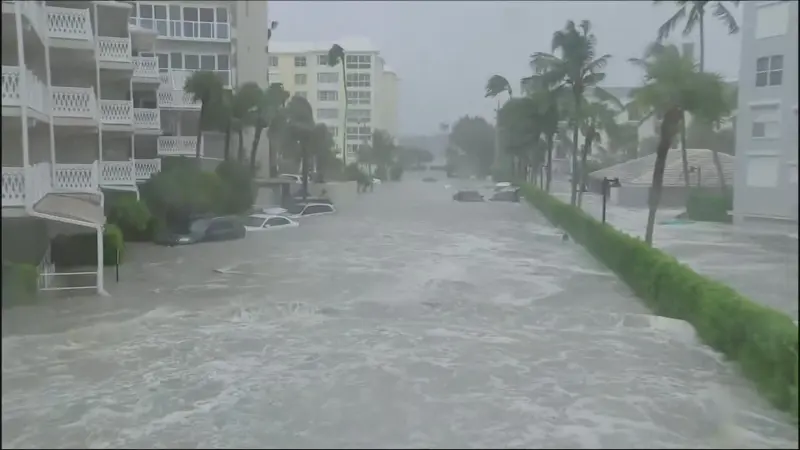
<point>251,41</point>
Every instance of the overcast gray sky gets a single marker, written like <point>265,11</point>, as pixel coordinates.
<point>444,52</point>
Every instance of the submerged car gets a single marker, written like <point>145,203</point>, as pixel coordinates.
<point>430,180</point>
<point>262,222</point>
<point>506,195</point>
<point>310,209</point>
<point>468,196</point>
<point>204,230</point>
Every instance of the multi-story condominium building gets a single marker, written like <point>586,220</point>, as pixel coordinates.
<point>93,97</point>
<point>765,189</point>
<point>371,87</point>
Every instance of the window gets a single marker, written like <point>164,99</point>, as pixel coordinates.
<point>327,113</point>
<point>300,79</point>
<point>352,148</point>
<point>358,97</point>
<point>358,80</point>
<point>160,13</point>
<point>359,115</point>
<point>359,133</point>
<point>769,71</point>
<point>175,24</point>
<point>222,26</point>
<point>163,62</point>
<point>762,171</point>
<point>299,61</point>
<point>328,96</point>
<point>772,19</point>
<point>273,61</point>
<point>328,77</point>
<point>316,209</point>
<point>322,60</point>
<point>208,62</point>
<point>191,62</point>
<point>255,222</point>
<point>303,94</point>
<point>223,62</point>
<point>276,222</point>
<point>176,60</point>
<point>146,16</point>
<point>358,61</point>
<point>766,122</point>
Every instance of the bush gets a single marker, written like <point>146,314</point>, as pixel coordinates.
<point>239,189</point>
<point>762,340</point>
<point>173,196</point>
<point>132,217</point>
<point>354,173</point>
<point>20,281</point>
<point>709,205</point>
<point>81,249</point>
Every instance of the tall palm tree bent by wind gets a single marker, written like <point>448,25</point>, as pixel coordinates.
<point>335,56</point>
<point>204,87</point>
<point>577,68</point>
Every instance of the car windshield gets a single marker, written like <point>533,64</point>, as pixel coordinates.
<point>295,209</point>
<point>253,221</point>
<point>198,226</point>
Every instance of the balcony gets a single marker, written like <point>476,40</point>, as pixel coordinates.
<point>116,112</point>
<point>114,49</point>
<point>35,13</point>
<point>12,95</point>
<point>30,184</point>
<point>73,102</point>
<point>77,177</point>
<point>117,173</point>
<point>69,23</point>
<point>178,99</point>
<point>145,67</point>
<point>13,186</point>
<point>147,119</point>
<point>178,146</point>
<point>144,168</point>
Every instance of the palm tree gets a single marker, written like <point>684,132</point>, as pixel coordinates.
<point>599,116</point>
<point>204,87</point>
<point>336,55</point>
<point>244,103</point>
<point>300,126</point>
<point>383,149</point>
<point>696,10</point>
<point>268,109</point>
<point>496,85</point>
<point>520,120</point>
<point>577,68</point>
<point>321,148</point>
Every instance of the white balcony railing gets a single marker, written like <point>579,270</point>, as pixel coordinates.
<point>12,95</point>
<point>178,146</point>
<point>147,119</point>
<point>145,168</point>
<point>172,98</point>
<point>13,186</point>
<point>145,67</point>
<point>117,173</point>
<point>38,182</point>
<point>116,112</point>
<point>114,49</point>
<point>73,102</point>
<point>77,177</point>
<point>69,23</point>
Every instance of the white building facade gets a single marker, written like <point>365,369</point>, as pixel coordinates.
<point>92,98</point>
<point>765,189</point>
<point>302,68</point>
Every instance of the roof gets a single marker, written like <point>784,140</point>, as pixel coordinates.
<point>640,171</point>
<point>349,44</point>
<point>388,68</point>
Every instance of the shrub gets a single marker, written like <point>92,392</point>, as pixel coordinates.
<point>81,249</point>
<point>20,281</point>
<point>184,191</point>
<point>239,190</point>
<point>132,217</point>
<point>709,205</point>
<point>762,340</point>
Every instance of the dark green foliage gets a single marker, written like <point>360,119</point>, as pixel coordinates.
<point>763,341</point>
<point>176,194</point>
<point>20,282</point>
<point>396,172</point>
<point>81,249</point>
<point>239,188</point>
<point>709,205</point>
<point>132,217</point>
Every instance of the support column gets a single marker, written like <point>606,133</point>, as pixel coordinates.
<point>100,263</point>
<point>95,30</point>
<point>23,85</point>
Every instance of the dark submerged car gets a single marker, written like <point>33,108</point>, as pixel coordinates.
<point>467,196</point>
<point>506,195</point>
<point>429,180</point>
<point>204,230</point>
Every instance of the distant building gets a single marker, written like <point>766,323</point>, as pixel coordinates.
<point>765,186</point>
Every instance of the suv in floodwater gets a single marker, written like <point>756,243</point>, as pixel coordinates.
<point>468,196</point>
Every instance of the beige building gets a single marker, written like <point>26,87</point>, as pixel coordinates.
<point>303,69</point>
<point>93,97</point>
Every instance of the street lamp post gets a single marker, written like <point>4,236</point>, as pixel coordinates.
<point>608,183</point>
<point>696,169</point>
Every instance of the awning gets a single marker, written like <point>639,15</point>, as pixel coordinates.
<point>82,207</point>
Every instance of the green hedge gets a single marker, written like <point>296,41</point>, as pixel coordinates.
<point>709,205</point>
<point>81,249</point>
<point>20,282</point>
<point>762,340</point>
<point>132,217</point>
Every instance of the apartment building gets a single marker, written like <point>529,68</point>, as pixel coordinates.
<point>303,69</point>
<point>92,98</point>
<point>765,188</point>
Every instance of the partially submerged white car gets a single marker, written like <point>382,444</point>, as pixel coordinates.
<point>310,209</point>
<point>263,222</point>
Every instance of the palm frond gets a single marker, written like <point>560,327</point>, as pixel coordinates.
<point>722,13</point>
<point>695,16</point>
<point>667,27</point>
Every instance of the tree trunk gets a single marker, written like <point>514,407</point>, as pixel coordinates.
<point>254,149</point>
<point>273,157</point>
<point>701,24</point>
<point>549,162</point>
<point>227,147</point>
<point>669,127</point>
<point>577,95</point>
<point>344,134</point>
<point>684,156</point>
<point>587,144</point>
<point>304,163</point>
<point>240,153</point>
<point>199,133</point>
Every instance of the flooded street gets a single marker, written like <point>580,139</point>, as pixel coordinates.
<point>405,320</point>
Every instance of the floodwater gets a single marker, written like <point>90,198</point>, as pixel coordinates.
<point>405,320</point>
